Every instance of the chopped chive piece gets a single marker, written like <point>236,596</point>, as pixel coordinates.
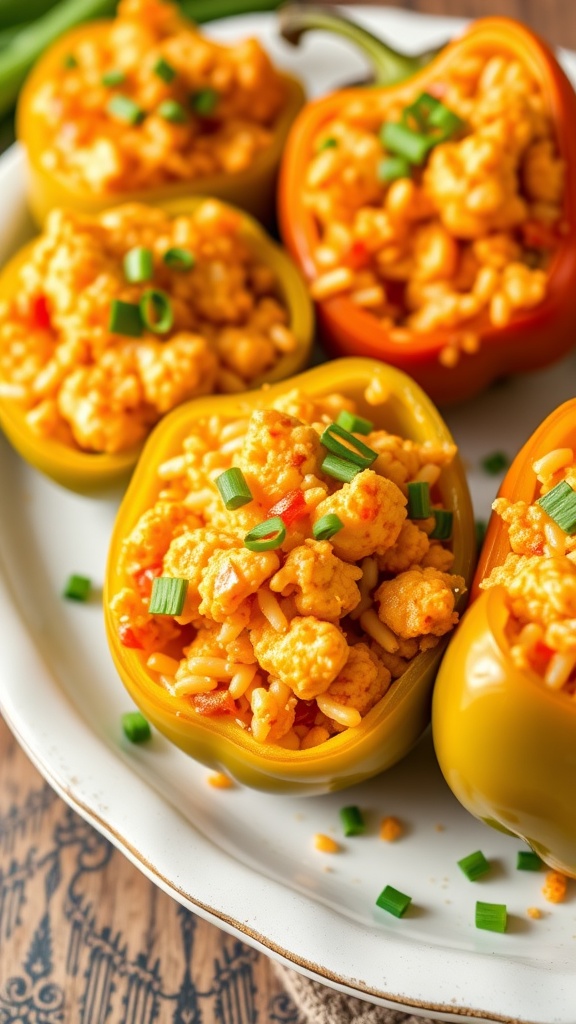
<point>179,259</point>
<point>267,535</point>
<point>327,526</point>
<point>474,865</point>
<point>393,167</point>
<point>443,528</point>
<point>204,102</point>
<point>446,120</point>
<point>340,469</point>
<point>328,143</point>
<point>69,61</point>
<point>527,860</point>
<point>419,506</point>
<point>233,488</point>
<point>138,264</point>
<point>560,504</point>
<point>77,588</point>
<point>480,526</point>
<point>135,727</point>
<point>421,109</point>
<point>172,111</point>
<point>125,318</point>
<point>164,70</point>
<point>355,451</point>
<point>168,595</point>
<point>156,311</point>
<point>495,463</point>
<point>404,142</point>
<point>353,823</point>
<point>113,77</point>
<point>491,917</point>
<point>355,424</point>
<point>125,109</point>
<point>393,901</point>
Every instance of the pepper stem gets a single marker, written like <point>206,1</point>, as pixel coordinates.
<point>389,65</point>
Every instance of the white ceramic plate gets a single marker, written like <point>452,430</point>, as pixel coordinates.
<point>243,860</point>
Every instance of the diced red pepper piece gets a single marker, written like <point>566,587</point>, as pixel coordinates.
<point>144,579</point>
<point>40,313</point>
<point>357,255</point>
<point>216,702</point>
<point>128,637</point>
<point>291,507</point>
<point>305,713</point>
<point>540,236</point>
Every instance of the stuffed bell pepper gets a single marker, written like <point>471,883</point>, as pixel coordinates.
<point>504,708</point>
<point>144,107</point>
<point>108,321</point>
<point>284,572</point>
<point>434,217</point>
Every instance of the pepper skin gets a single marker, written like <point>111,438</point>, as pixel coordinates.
<point>505,742</point>
<point>393,725</point>
<point>534,337</point>
<point>87,472</point>
<point>252,190</point>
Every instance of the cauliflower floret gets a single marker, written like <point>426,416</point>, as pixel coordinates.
<point>246,351</point>
<point>410,548</point>
<point>362,682</point>
<point>400,459</point>
<point>526,525</point>
<point>372,510</point>
<point>149,633</point>
<point>419,602</point>
<point>308,657</point>
<point>278,452</point>
<point>273,711</point>
<point>102,405</point>
<point>151,538</point>
<point>544,590</point>
<point>322,583</point>
<point>175,370</point>
<point>502,574</point>
<point>438,557</point>
<point>232,576</point>
<point>187,558</point>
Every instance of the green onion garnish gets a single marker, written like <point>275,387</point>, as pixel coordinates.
<point>135,727</point>
<point>491,917</point>
<point>355,424</point>
<point>495,463</point>
<point>560,504</point>
<point>446,120</point>
<point>399,139</point>
<point>125,109</point>
<point>393,901</point>
<point>77,588</point>
<point>391,168</point>
<point>474,865</point>
<point>69,61</point>
<point>204,102</point>
<point>172,111</point>
<point>179,259</point>
<point>168,595</point>
<point>138,264</point>
<point>113,77</point>
<point>233,488</point>
<point>327,526</point>
<point>352,821</point>
<point>157,313</point>
<point>125,318</point>
<point>421,109</point>
<point>328,143</point>
<point>419,506</point>
<point>164,70</point>
<point>340,469</point>
<point>443,526</point>
<point>527,860</point>
<point>266,536</point>
<point>355,451</point>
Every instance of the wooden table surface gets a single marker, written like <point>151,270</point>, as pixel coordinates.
<point>84,937</point>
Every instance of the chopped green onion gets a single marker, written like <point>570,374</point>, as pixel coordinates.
<point>474,865</point>
<point>157,313</point>
<point>124,109</point>
<point>327,526</point>
<point>421,110</point>
<point>446,120</point>
<point>164,70</point>
<point>114,77</point>
<point>491,917</point>
<point>355,451</point>
<point>328,143</point>
<point>179,259</point>
<point>355,424</point>
<point>125,318</point>
<point>77,588</point>
<point>443,528</point>
<point>352,821</point>
<point>267,535</point>
<point>172,111</point>
<point>495,463</point>
<point>69,61</point>
<point>393,167</point>
<point>527,860</point>
<point>419,506</point>
<point>394,901</point>
<point>340,469</point>
<point>135,727</point>
<point>204,102</point>
<point>560,504</point>
<point>404,142</point>
<point>480,526</point>
<point>233,488</point>
<point>138,264</point>
<point>168,595</point>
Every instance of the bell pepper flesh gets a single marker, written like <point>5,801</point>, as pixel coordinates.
<point>392,727</point>
<point>533,338</point>
<point>505,742</point>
